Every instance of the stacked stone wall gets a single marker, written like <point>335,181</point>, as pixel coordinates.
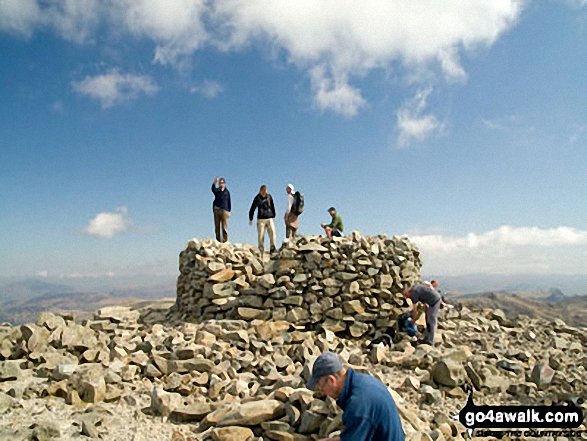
<point>345,285</point>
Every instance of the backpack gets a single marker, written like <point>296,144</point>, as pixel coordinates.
<point>298,204</point>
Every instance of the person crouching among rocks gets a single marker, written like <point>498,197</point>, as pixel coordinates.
<point>431,301</point>
<point>369,411</point>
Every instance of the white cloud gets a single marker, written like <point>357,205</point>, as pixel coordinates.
<point>43,274</point>
<point>210,89</point>
<point>345,39</point>
<point>506,250</point>
<point>413,124</point>
<point>107,225</point>
<point>113,87</point>
<point>19,16</point>
<point>177,27</point>
<point>335,94</point>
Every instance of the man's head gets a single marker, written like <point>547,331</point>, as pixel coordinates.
<point>328,375</point>
<point>289,189</point>
<point>263,190</point>
<point>407,291</point>
<point>434,284</point>
<point>222,182</point>
<point>332,211</point>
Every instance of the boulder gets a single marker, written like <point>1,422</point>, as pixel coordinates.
<point>253,413</point>
<point>448,373</point>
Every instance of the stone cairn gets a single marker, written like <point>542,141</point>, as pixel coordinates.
<point>346,285</point>
<point>145,373</point>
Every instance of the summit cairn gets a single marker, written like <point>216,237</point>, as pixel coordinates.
<point>350,284</point>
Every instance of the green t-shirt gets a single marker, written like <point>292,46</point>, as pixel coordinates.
<point>336,222</point>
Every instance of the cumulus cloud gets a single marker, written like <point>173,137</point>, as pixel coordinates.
<point>107,225</point>
<point>335,94</point>
<point>337,42</point>
<point>19,16</point>
<point>506,250</point>
<point>114,87</point>
<point>413,124</point>
<point>209,89</point>
<point>177,27</point>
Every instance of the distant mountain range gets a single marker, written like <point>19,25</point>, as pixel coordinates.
<point>571,285</point>
<point>22,301</point>
<point>549,305</point>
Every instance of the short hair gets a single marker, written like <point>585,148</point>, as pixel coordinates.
<point>263,187</point>
<point>332,209</point>
<point>433,281</point>
<point>221,180</point>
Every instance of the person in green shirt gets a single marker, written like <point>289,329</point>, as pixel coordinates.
<point>335,227</point>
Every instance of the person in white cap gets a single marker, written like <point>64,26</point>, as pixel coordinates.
<point>291,219</point>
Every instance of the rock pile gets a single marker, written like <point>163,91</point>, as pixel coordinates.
<point>347,285</point>
<point>147,374</point>
<point>141,375</point>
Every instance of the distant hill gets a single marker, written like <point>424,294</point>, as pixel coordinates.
<point>22,301</point>
<point>549,305</point>
<point>571,285</point>
<point>30,288</point>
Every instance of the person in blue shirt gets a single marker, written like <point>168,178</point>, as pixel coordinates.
<point>221,207</point>
<point>369,412</point>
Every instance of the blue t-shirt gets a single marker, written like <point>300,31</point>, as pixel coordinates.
<point>369,412</point>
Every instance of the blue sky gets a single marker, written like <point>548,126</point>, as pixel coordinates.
<point>460,124</point>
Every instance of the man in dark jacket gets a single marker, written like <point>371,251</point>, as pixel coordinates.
<point>265,207</point>
<point>221,208</point>
<point>369,411</point>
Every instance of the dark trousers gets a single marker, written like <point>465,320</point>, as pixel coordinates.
<point>220,218</point>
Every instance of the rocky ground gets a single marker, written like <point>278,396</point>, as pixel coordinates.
<point>144,374</point>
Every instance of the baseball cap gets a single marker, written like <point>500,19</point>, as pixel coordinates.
<point>327,363</point>
<point>290,186</point>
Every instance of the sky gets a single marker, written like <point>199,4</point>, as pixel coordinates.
<point>462,125</point>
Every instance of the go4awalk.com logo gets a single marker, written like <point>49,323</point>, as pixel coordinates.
<point>530,418</point>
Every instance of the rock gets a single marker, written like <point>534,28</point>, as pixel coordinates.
<point>542,375</point>
<point>431,395</point>
<point>93,391</point>
<point>191,413</point>
<point>310,422</point>
<point>266,280</point>
<point>232,434</point>
<point>45,431</point>
<point>222,276</point>
<point>253,413</point>
<point>312,246</point>
<point>10,370</point>
<point>499,316</point>
<point>511,366</point>
<point>357,329</point>
<point>411,383</point>
<point>118,314</point>
<point>253,314</point>
<point>164,403</point>
<point>448,373</point>
<point>353,307</point>
<point>6,402</point>
<point>78,337</point>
